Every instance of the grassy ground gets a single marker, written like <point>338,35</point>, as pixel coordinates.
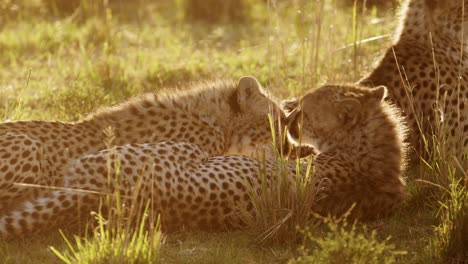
<point>62,67</point>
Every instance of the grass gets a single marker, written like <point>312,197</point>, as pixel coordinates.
<point>282,207</point>
<point>113,246</point>
<point>451,234</point>
<point>129,233</point>
<point>344,243</point>
<point>58,66</point>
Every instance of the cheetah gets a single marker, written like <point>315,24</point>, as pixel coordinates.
<point>187,187</point>
<point>221,117</point>
<point>359,139</point>
<point>426,73</point>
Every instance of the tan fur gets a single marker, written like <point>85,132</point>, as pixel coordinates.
<point>359,138</point>
<point>188,188</point>
<point>426,72</point>
<point>221,117</point>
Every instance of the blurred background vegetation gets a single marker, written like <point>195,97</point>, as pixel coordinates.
<point>64,58</point>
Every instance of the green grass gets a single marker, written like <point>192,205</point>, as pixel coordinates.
<point>113,246</point>
<point>125,234</point>
<point>61,67</point>
<point>282,207</point>
<point>346,243</point>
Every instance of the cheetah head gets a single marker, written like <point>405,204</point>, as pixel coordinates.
<point>325,116</point>
<point>255,114</point>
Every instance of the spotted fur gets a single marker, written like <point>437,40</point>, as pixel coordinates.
<point>426,71</point>
<point>188,188</point>
<point>220,117</point>
<point>359,138</point>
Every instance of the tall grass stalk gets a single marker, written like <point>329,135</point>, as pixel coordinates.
<point>282,205</point>
<point>114,245</point>
<point>284,202</point>
<point>345,243</point>
<point>127,231</point>
<point>443,173</point>
<point>451,240</point>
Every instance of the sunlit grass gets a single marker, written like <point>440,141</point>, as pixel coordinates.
<point>129,232</point>
<point>283,203</point>
<point>114,246</point>
<point>112,53</point>
<point>451,240</point>
<point>442,182</point>
<point>346,243</point>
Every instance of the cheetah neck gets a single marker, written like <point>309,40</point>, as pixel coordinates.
<point>414,22</point>
<point>379,135</point>
<point>198,116</point>
<point>210,103</point>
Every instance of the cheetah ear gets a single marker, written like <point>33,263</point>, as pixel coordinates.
<point>289,105</point>
<point>349,110</point>
<point>378,93</point>
<point>248,91</point>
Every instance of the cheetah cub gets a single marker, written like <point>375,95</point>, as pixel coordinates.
<point>221,117</point>
<point>359,138</point>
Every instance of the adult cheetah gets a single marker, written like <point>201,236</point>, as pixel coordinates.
<point>426,71</point>
<point>221,117</point>
<point>360,141</point>
<point>187,187</point>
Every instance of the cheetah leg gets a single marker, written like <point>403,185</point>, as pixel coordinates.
<point>55,209</point>
<point>21,161</point>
